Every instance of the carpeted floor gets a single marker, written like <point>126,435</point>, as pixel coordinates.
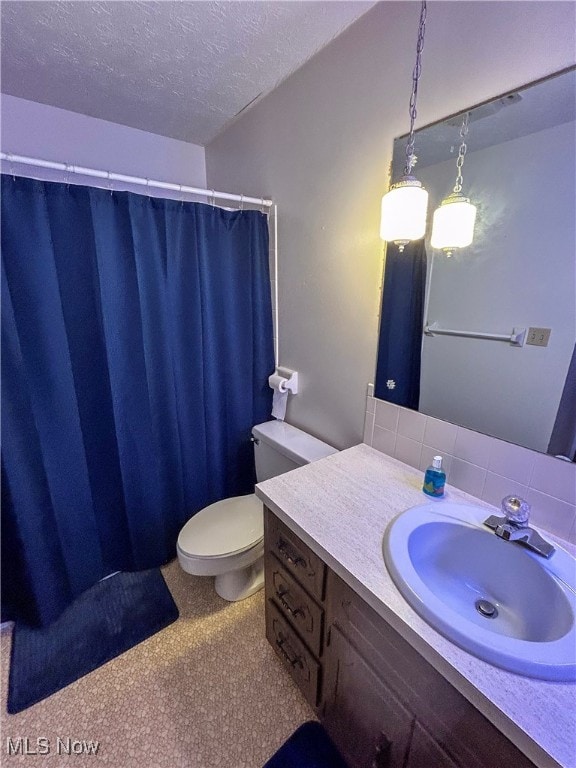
<point>206,691</point>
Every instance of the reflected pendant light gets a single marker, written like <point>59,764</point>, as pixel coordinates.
<point>453,223</point>
<point>404,207</point>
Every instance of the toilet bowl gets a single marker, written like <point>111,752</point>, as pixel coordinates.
<point>226,539</point>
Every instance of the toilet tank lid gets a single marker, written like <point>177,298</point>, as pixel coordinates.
<point>292,442</point>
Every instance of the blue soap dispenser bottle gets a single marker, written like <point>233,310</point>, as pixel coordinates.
<point>435,479</point>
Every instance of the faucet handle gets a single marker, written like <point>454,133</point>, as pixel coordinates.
<point>517,510</point>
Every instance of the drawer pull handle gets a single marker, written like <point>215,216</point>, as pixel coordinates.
<point>382,753</point>
<point>281,594</point>
<point>295,660</point>
<point>291,557</point>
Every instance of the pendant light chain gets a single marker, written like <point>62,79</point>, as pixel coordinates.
<point>461,153</point>
<point>454,219</point>
<point>404,206</point>
<point>410,157</point>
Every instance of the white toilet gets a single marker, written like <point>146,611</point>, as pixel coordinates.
<point>226,539</point>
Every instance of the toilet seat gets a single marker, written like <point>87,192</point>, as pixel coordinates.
<point>227,527</point>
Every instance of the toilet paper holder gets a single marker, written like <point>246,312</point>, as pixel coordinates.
<point>287,379</point>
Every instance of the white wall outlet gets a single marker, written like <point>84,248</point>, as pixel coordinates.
<point>538,337</point>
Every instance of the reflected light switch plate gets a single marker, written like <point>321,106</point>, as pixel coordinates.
<point>538,337</point>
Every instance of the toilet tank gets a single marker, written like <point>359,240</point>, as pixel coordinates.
<point>280,447</point>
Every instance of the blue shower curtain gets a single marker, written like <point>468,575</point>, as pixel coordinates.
<point>401,323</point>
<point>563,437</point>
<point>136,346</point>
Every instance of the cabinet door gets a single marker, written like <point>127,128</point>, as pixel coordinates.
<point>470,739</point>
<point>426,752</point>
<point>366,721</point>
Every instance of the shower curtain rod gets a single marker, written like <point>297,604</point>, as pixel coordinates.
<point>109,176</point>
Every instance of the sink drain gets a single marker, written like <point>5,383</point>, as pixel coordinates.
<point>486,608</point>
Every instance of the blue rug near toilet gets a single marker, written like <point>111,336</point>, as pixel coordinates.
<point>111,617</point>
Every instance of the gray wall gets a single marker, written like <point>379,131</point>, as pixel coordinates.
<point>320,145</point>
<point>49,133</point>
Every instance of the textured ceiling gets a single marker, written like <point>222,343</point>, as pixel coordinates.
<point>179,69</point>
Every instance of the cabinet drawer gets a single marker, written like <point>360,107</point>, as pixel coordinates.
<point>303,667</point>
<point>296,556</point>
<point>296,605</point>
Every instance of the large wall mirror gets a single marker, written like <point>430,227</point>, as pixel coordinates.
<point>518,273</point>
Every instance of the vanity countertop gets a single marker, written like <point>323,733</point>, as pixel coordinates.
<point>340,506</point>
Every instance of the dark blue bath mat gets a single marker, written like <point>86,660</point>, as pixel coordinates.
<point>308,747</point>
<point>108,619</point>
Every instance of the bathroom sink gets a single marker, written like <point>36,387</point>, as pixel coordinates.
<point>494,598</point>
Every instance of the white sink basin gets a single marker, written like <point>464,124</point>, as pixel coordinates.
<point>494,598</point>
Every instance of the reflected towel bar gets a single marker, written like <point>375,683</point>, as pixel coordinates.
<point>516,337</point>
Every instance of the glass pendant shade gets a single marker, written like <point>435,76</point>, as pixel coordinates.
<point>404,212</point>
<point>453,224</point>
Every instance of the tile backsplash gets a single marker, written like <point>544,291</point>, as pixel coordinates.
<point>483,466</point>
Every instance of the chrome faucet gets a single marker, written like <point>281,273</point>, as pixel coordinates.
<point>514,526</point>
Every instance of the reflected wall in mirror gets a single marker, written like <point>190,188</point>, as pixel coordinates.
<point>519,272</point>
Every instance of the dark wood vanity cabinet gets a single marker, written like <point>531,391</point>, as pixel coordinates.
<point>381,702</point>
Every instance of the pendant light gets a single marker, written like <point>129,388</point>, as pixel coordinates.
<point>404,206</point>
<point>453,223</point>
